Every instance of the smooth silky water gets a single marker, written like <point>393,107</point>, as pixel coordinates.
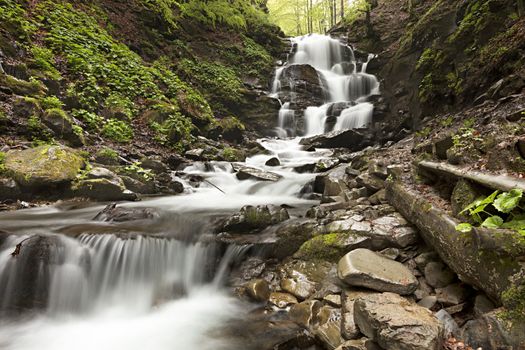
<point>151,284</point>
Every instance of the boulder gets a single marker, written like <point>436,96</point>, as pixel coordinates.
<point>9,189</point>
<point>258,290</point>
<point>334,181</point>
<point>371,182</point>
<point>493,331</point>
<point>112,213</point>
<point>103,185</point>
<point>305,313</point>
<point>302,85</point>
<point>438,275</point>
<point>356,344</point>
<point>328,331</point>
<point>364,268</point>
<point>282,300</point>
<point>274,161</point>
<point>396,324</point>
<point>452,294</point>
<point>63,127</point>
<point>245,173</point>
<point>43,166</point>
<point>351,139</point>
<point>349,329</point>
<point>255,218</point>
<point>137,186</point>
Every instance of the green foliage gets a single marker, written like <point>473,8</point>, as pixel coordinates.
<point>90,119</point>
<point>43,60</point>
<point>164,8</point>
<point>51,102</point>
<point>514,299</point>
<point>2,162</point>
<point>13,18</point>
<point>507,205</point>
<point>108,153</point>
<point>37,131</point>
<point>231,13</point>
<point>135,168</point>
<point>221,83</point>
<point>117,130</point>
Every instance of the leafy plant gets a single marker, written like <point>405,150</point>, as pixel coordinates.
<point>135,168</point>
<point>510,215</point>
<point>50,102</point>
<point>117,130</point>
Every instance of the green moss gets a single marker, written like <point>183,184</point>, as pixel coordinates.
<point>90,119</point>
<point>14,19</point>
<point>514,299</point>
<point>32,87</point>
<point>108,153</point>
<point>221,83</point>
<point>2,162</point>
<point>51,102</point>
<point>43,61</point>
<point>37,131</point>
<point>117,130</point>
<point>136,171</point>
<point>329,247</point>
<point>232,155</point>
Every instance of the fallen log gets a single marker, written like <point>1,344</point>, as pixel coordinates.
<point>483,258</point>
<point>495,182</point>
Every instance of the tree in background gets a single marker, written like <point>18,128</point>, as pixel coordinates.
<point>300,17</point>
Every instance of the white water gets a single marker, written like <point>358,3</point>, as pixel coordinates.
<point>149,284</point>
<point>337,66</point>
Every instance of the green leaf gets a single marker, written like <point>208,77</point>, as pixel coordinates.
<point>507,201</point>
<point>464,227</point>
<point>514,225</point>
<point>483,204</point>
<point>492,222</point>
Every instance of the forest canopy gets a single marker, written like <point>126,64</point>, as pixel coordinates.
<point>299,17</point>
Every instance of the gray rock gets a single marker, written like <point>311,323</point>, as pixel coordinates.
<point>9,189</point>
<point>396,324</point>
<point>274,161</point>
<point>194,154</point>
<point>378,169</point>
<point>450,326</point>
<point>349,329</point>
<point>328,330</point>
<point>112,213</point>
<point>282,300</point>
<point>245,173</point>
<point>423,289</point>
<point>137,186</point>
<point>429,301</point>
<point>305,313</point>
<point>452,294</point>
<point>424,258</point>
<point>335,181</point>
<point>438,275</point>
<point>102,184</point>
<point>371,182</point>
<point>258,290</point>
<point>364,268</point>
<point>493,331</point>
<point>482,305</point>
<point>355,344</point>
<point>156,165</point>
<point>351,139</point>
<point>254,218</point>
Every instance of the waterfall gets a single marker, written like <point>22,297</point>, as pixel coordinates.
<point>337,66</point>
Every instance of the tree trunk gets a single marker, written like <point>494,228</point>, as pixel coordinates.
<point>521,7</point>
<point>342,9</point>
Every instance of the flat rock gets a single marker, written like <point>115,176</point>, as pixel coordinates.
<point>258,290</point>
<point>254,217</point>
<point>396,324</point>
<point>282,300</point>
<point>364,268</point>
<point>245,173</point>
<point>350,139</point>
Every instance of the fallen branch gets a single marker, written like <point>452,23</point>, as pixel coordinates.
<point>213,185</point>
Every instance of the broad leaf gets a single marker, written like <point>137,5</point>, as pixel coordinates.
<point>483,204</point>
<point>464,227</point>
<point>514,225</point>
<point>507,201</point>
<point>492,222</point>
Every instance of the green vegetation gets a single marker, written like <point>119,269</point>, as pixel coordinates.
<point>51,102</point>
<point>2,162</point>
<point>135,170</point>
<point>117,130</point>
<point>108,153</point>
<point>510,215</point>
<point>43,61</point>
<point>514,299</point>
<point>329,247</point>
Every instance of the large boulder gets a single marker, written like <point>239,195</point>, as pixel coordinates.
<point>351,139</point>
<point>103,185</point>
<point>43,166</point>
<point>63,126</point>
<point>301,85</point>
<point>254,218</point>
<point>396,324</point>
<point>112,213</point>
<point>364,268</point>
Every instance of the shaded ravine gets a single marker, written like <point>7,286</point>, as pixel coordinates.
<point>151,283</point>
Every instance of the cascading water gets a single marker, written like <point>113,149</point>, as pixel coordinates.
<point>345,86</point>
<point>151,284</point>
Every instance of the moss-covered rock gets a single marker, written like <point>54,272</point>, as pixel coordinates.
<point>16,86</point>
<point>63,126</point>
<point>42,166</point>
<point>329,247</point>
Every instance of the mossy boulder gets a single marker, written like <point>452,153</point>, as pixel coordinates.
<point>63,126</point>
<point>10,84</point>
<point>329,247</point>
<point>232,129</point>
<point>42,166</point>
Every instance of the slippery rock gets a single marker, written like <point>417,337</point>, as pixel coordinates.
<point>258,290</point>
<point>9,189</point>
<point>351,139</point>
<point>254,218</point>
<point>282,300</point>
<point>364,268</point>
<point>328,330</point>
<point>112,213</point>
<point>274,161</point>
<point>349,329</point>
<point>396,324</point>
<point>102,184</point>
<point>305,313</point>
<point>43,166</point>
<point>245,173</point>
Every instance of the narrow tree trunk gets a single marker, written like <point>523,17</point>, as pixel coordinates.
<point>342,9</point>
<point>521,7</point>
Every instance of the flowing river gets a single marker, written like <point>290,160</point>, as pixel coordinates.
<point>152,284</point>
